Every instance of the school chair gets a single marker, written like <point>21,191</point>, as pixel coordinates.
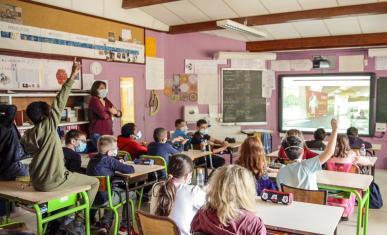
<point>105,186</point>
<point>154,225</point>
<point>124,155</point>
<point>158,160</point>
<point>305,195</point>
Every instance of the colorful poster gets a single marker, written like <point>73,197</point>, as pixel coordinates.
<point>183,87</point>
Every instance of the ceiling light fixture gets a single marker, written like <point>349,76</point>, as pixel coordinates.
<point>241,28</point>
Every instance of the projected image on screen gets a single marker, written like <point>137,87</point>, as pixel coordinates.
<point>310,102</point>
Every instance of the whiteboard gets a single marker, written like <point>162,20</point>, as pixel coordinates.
<point>21,73</point>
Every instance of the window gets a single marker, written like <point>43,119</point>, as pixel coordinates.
<point>127,99</point>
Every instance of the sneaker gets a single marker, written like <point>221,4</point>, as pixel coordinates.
<point>104,229</point>
<point>123,230</point>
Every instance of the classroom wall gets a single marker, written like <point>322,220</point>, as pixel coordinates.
<point>273,109</point>
<point>174,49</point>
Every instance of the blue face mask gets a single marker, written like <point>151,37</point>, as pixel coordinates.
<point>204,131</point>
<point>102,93</point>
<point>81,147</point>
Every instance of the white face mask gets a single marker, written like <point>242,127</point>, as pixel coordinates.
<point>138,135</point>
<point>204,131</point>
<point>115,152</point>
<point>102,93</point>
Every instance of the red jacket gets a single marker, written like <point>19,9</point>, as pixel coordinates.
<point>307,154</point>
<point>206,221</point>
<point>100,118</point>
<point>131,146</point>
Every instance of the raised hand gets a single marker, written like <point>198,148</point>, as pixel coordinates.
<point>334,124</point>
<point>76,69</point>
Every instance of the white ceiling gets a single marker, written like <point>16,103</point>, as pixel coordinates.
<point>162,16</point>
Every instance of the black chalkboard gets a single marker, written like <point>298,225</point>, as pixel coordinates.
<point>381,100</point>
<point>242,96</point>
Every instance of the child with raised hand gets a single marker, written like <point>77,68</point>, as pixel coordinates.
<point>175,197</point>
<point>230,205</point>
<point>252,157</point>
<point>302,173</point>
<point>42,142</point>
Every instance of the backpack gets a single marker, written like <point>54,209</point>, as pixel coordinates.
<point>376,200</point>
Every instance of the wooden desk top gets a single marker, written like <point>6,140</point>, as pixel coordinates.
<point>345,180</point>
<point>367,161</point>
<point>300,216</point>
<point>23,192</point>
<point>237,144</point>
<point>140,170</point>
<point>376,147</point>
<point>195,154</point>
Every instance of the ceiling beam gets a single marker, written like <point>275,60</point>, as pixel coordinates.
<point>129,4</point>
<point>357,40</point>
<point>315,14</point>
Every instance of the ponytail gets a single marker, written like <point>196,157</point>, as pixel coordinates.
<point>165,197</point>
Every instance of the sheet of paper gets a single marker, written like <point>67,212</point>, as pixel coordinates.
<point>208,89</point>
<point>154,73</point>
<point>248,64</point>
<point>213,110</point>
<point>87,81</point>
<point>301,65</point>
<point>381,63</point>
<point>351,63</point>
<point>126,34</point>
<point>280,65</point>
<point>203,66</point>
<point>268,83</point>
<point>7,75</point>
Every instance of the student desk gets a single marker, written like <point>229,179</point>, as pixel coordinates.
<point>140,175</point>
<point>347,182</point>
<point>299,217</point>
<point>232,147</point>
<point>56,200</point>
<point>196,154</point>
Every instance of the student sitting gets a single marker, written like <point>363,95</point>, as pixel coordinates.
<point>307,153</point>
<point>252,157</point>
<point>175,197</point>
<point>75,141</point>
<point>47,168</point>
<point>345,156</point>
<point>201,138</point>
<point>355,141</point>
<point>105,164</point>
<point>230,204</point>
<point>181,130</point>
<point>127,141</point>
<point>302,173</point>
<point>163,148</point>
<point>319,136</point>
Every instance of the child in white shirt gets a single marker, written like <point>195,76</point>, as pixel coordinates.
<point>175,197</point>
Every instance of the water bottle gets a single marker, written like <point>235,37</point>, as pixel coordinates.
<point>363,151</point>
<point>200,177</point>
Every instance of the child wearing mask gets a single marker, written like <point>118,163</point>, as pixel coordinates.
<point>75,141</point>
<point>127,141</point>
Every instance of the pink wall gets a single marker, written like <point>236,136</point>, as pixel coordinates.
<point>174,49</point>
<point>272,108</point>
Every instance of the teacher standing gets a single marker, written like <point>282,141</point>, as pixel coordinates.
<point>101,111</point>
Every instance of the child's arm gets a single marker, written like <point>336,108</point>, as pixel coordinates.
<point>60,100</point>
<point>121,167</point>
<point>330,149</point>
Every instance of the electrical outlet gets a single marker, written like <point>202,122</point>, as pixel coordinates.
<point>380,127</point>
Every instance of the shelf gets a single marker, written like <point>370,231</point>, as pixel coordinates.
<point>40,94</point>
<point>61,124</point>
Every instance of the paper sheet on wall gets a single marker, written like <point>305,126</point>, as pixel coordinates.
<point>280,65</point>
<point>203,66</point>
<point>268,83</point>
<point>301,65</point>
<point>208,89</point>
<point>213,110</point>
<point>87,81</point>
<point>351,63</point>
<point>7,75</point>
<point>381,63</point>
<point>248,64</point>
<point>154,73</point>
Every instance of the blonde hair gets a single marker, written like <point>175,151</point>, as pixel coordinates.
<point>106,143</point>
<point>252,156</point>
<point>231,190</point>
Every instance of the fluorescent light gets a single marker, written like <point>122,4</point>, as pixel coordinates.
<point>241,28</point>
<point>244,55</point>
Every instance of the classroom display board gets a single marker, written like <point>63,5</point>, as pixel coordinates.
<point>381,100</point>
<point>242,96</point>
<point>20,73</point>
<point>27,38</point>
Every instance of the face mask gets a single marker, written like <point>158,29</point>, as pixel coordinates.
<point>102,93</point>
<point>184,129</point>
<point>115,152</point>
<point>139,135</point>
<point>81,147</point>
<point>204,131</point>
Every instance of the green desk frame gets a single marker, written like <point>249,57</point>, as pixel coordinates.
<point>363,202</point>
<point>69,202</point>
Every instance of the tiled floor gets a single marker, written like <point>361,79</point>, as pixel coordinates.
<point>377,219</point>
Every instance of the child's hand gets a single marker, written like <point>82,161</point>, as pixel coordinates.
<point>76,69</point>
<point>334,124</point>
<point>184,141</point>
